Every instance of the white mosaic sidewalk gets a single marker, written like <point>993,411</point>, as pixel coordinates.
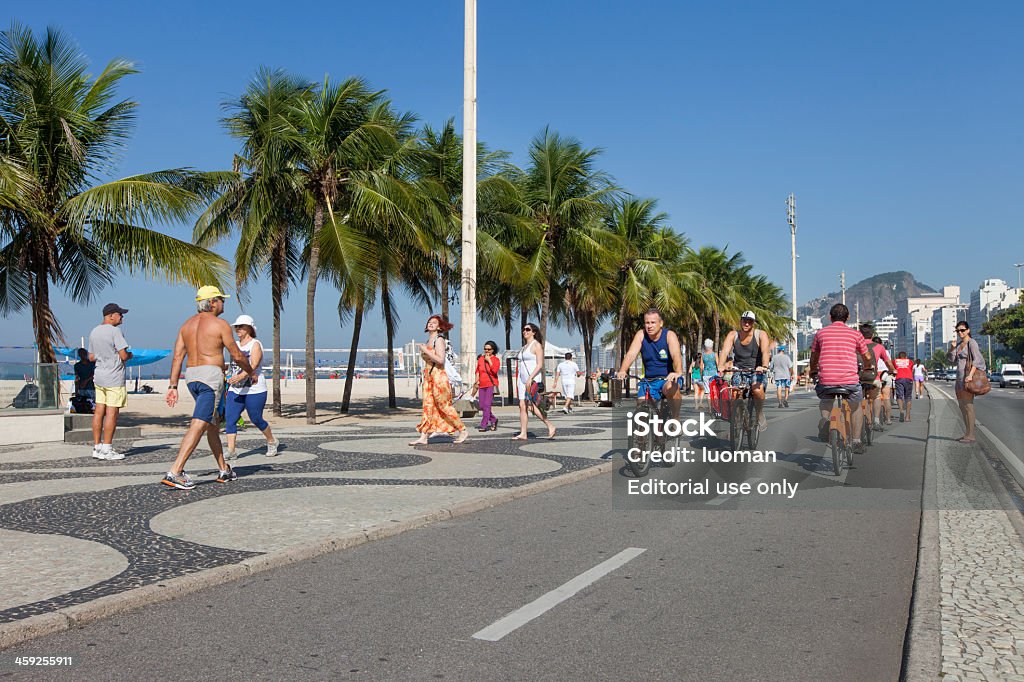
<point>980,560</point>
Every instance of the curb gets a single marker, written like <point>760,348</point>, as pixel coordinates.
<point>112,605</point>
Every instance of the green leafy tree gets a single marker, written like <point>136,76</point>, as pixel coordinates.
<point>1007,326</point>
<point>60,226</point>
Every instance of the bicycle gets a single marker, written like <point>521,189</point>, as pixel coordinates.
<point>650,441</point>
<point>840,429</point>
<point>744,419</point>
<point>868,411</point>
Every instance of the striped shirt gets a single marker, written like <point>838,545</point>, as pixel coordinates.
<point>838,346</point>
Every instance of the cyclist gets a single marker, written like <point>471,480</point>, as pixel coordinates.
<point>663,360</point>
<point>873,390</point>
<point>834,354</point>
<point>751,350</point>
<point>887,377</point>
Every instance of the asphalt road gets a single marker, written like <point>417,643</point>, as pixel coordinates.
<point>1000,414</point>
<point>739,589</point>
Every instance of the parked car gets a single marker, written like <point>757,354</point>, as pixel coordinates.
<point>1012,375</point>
<point>996,378</point>
<point>951,374</point>
<point>935,375</point>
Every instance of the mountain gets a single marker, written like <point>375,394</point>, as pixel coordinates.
<point>875,295</point>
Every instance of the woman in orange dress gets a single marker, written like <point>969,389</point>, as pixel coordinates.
<point>439,416</point>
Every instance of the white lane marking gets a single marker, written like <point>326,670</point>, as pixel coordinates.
<point>1012,460</point>
<point>725,498</point>
<point>539,606</point>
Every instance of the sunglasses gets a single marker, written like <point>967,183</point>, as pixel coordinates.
<point>527,330</point>
<point>961,330</point>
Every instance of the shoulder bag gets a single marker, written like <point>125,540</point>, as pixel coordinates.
<point>979,383</point>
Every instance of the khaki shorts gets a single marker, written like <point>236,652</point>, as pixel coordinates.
<point>112,397</point>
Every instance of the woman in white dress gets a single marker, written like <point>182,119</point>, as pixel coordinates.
<point>530,378</point>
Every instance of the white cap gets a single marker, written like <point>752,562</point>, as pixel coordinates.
<point>245,319</point>
<point>708,343</point>
<point>748,315</point>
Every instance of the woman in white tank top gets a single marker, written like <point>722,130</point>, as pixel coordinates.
<point>530,374</point>
<point>243,394</point>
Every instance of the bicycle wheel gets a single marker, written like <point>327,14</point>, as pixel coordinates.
<point>753,430</point>
<point>736,420</point>
<point>641,465</point>
<point>663,443</point>
<point>866,431</point>
<point>837,452</point>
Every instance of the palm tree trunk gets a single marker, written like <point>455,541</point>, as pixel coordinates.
<point>314,266</point>
<point>277,279</point>
<point>357,326</point>
<point>43,323</point>
<point>545,309</point>
<point>389,327</point>
<point>508,328</point>
<point>445,287</point>
<point>718,329</point>
<point>620,341</point>
<point>587,328</point>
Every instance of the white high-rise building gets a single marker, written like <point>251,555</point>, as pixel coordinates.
<point>993,295</point>
<point>886,327</point>
<point>914,317</point>
<point>943,329</point>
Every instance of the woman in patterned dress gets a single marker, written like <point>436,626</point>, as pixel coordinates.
<point>439,416</point>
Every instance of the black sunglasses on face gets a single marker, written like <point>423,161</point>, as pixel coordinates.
<point>961,330</point>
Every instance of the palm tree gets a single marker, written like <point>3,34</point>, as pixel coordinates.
<point>263,201</point>
<point>60,130</point>
<point>713,273</point>
<point>563,191</point>
<point>642,256</point>
<point>341,130</point>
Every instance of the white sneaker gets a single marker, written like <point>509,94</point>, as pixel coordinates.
<point>113,454</point>
<point>98,453</point>
<point>272,448</point>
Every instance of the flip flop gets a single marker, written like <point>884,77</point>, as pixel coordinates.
<point>519,438</point>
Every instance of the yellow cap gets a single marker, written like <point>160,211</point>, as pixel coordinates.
<point>208,292</point>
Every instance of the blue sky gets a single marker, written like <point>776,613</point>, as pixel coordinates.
<point>897,125</point>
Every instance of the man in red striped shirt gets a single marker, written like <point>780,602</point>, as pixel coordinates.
<point>834,359</point>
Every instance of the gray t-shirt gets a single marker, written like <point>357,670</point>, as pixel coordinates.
<point>782,366</point>
<point>104,342</point>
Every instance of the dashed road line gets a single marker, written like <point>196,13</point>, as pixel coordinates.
<point>546,602</point>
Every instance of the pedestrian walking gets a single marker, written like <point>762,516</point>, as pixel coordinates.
<point>245,393</point>
<point>487,367</point>
<point>529,378</point>
<point>782,371</point>
<point>904,384</point>
<point>697,381</point>
<point>203,338</point>
<point>109,350</point>
<point>967,355</point>
<point>567,372</point>
<point>85,372</point>
<point>439,415</point>
<point>920,376</point>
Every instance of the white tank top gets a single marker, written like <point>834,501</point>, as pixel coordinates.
<point>527,363</point>
<point>259,385</point>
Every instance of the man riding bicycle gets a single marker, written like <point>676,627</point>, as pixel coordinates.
<point>834,354</point>
<point>873,390</point>
<point>751,351</point>
<point>662,358</point>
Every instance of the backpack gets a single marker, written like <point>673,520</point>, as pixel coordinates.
<point>451,367</point>
<point>868,372</point>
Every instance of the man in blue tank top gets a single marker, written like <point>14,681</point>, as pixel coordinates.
<point>662,358</point>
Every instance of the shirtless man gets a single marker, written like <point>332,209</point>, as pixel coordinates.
<point>203,339</point>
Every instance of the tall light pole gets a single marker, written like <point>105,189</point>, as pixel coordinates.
<point>791,219</point>
<point>468,328</point>
<point>1018,266</point>
<point>842,284</point>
